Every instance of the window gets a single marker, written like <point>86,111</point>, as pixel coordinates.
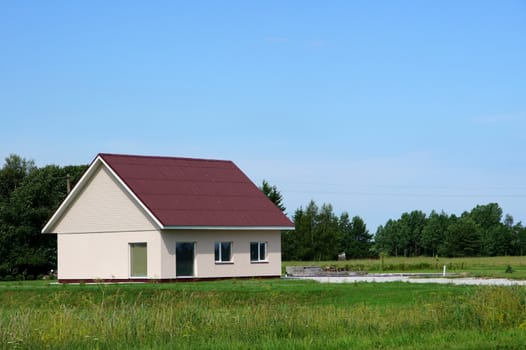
<point>223,251</point>
<point>258,251</point>
<point>138,260</point>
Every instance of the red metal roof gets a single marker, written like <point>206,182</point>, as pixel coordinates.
<point>196,192</point>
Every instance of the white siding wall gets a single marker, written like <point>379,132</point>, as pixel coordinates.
<point>105,255</point>
<point>94,234</point>
<point>103,206</point>
<point>205,266</point>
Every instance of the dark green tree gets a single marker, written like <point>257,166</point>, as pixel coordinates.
<point>300,243</point>
<point>520,233</point>
<point>462,238</point>
<point>13,173</point>
<point>326,234</point>
<point>411,226</point>
<point>345,228</point>
<point>434,232</point>
<point>317,234</point>
<point>495,237</point>
<point>24,251</point>
<point>273,194</point>
<point>356,241</point>
<point>388,239</point>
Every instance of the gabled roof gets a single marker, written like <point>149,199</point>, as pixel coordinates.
<point>190,193</point>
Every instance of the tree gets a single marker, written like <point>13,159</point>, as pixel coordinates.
<point>273,194</point>
<point>388,239</point>
<point>13,173</point>
<point>318,234</point>
<point>462,238</point>
<point>345,228</point>
<point>495,236</point>
<point>305,231</point>
<point>402,236</point>
<point>326,234</point>
<point>356,241</point>
<point>520,233</point>
<point>433,233</point>
<point>411,226</point>
<point>487,216</point>
<point>24,251</point>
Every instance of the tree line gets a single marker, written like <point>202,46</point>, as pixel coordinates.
<point>483,231</point>
<point>320,235</point>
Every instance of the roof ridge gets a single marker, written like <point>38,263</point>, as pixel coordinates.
<point>102,154</point>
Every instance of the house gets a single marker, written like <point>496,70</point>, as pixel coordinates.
<point>142,218</point>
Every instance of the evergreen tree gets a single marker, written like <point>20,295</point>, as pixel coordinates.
<point>327,234</point>
<point>300,243</point>
<point>356,240</point>
<point>273,194</point>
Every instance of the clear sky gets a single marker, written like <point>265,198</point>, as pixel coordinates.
<point>377,107</point>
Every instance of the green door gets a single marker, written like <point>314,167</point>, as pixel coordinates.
<point>138,260</point>
<point>184,259</point>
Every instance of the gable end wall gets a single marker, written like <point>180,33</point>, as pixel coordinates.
<point>103,206</point>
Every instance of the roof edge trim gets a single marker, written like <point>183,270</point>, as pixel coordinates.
<point>70,197</point>
<point>232,228</point>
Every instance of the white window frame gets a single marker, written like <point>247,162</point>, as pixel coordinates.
<point>259,259</point>
<point>221,261</point>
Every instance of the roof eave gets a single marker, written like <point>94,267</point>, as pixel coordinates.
<point>231,228</point>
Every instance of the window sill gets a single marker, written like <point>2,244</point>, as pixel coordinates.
<point>259,262</point>
<point>224,263</point>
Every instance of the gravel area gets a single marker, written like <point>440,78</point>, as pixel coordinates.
<point>409,279</point>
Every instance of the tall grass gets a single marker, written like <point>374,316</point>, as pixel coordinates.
<point>262,314</point>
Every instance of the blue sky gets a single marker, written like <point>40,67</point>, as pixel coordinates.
<point>377,107</point>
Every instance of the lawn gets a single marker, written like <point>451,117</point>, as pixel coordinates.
<point>261,314</point>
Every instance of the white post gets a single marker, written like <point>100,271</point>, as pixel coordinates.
<point>444,272</point>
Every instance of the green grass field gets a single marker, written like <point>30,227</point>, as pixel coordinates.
<point>261,314</point>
